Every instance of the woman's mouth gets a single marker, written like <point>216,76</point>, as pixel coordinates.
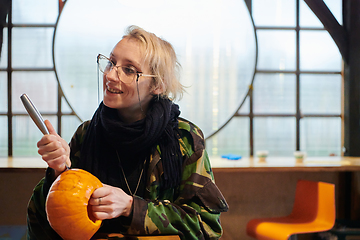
<point>113,90</point>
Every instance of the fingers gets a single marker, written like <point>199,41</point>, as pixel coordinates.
<point>101,215</point>
<point>46,139</point>
<point>109,202</point>
<point>99,196</point>
<point>102,208</point>
<point>97,201</point>
<point>58,165</point>
<point>52,137</point>
<point>50,127</point>
<point>101,192</point>
<point>48,145</point>
<point>54,150</point>
<point>51,150</point>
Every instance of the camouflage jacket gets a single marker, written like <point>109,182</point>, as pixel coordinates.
<point>194,214</point>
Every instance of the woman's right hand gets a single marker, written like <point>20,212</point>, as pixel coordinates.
<point>54,150</point>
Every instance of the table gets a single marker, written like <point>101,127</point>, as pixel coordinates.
<point>286,164</point>
<point>248,164</point>
<point>21,163</point>
<point>247,185</point>
<point>344,165</point>
<point>113,236</point>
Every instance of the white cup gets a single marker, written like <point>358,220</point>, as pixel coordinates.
<point>262,155</point>
<point>299,156</point>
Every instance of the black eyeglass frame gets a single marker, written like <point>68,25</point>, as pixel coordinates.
<point>138,74</point>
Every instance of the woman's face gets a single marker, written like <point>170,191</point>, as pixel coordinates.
<point>124,96</point>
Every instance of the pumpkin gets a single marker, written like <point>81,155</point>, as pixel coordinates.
<point>67,205</point>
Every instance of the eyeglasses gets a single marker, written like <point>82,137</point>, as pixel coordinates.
<point>126,74</point>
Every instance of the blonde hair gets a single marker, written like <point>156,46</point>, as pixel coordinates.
<point>162,60</point>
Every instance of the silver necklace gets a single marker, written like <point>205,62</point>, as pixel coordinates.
<point>127,184</point>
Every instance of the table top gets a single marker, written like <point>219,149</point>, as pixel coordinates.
<point>22,162</point>
<point>120,236</point>
<point>251,164</point>
<point>287,164</point>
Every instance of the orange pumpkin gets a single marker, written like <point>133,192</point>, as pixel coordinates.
<point>67,205</point>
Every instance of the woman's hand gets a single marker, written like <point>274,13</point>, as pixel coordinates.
<point>110,202</point>
<point>54,150</point>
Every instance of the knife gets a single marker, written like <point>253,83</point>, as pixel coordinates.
<point>35,115</point>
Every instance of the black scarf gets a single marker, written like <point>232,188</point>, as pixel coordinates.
<point>107,134</point>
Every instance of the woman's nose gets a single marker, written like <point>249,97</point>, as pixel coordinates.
<point>113,75</point>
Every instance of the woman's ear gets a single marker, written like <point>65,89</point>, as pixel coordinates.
<point>157,90</point>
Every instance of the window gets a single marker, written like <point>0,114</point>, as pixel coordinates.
<point>287,60</point>
<point>297,88</point>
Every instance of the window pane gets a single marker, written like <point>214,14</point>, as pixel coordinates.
<point>275,93</point>
<point>215,47</point>
<point>3,136</point>
<point>245,109</point>
<point>335,7</point>
<point>321,136</point>
<point>279,13</point>
<point>320,94</point>
<point>318,51</point>
<point>26,135</point>
<point>41,87</point>
<point>309,19</point>
<point>4,50</point>
<point>39,11</point>
<point>32,47</point>
<point>276,50</point>
<point>276,135</point>
<point>68,127</point>
<point>65,108</point>
<point>217,90</point>
<point>232,139</point>
<point>3,92</point>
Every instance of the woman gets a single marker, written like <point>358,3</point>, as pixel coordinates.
<point>156,173</point>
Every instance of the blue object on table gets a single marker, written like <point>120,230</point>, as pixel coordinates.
<point>231,156</point>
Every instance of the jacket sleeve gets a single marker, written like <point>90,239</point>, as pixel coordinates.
<point>195,213</point>
<point>38,227</point>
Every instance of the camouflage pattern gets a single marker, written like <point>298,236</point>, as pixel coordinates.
<point>191,210</point>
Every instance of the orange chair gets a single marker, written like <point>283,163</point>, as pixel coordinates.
<point>313,211</point>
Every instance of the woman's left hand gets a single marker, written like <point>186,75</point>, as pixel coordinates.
<point>110,202</point>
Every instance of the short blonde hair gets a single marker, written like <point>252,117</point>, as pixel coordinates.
<point>162,59</point>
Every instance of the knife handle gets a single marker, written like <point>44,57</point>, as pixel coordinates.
<point>34,113</point>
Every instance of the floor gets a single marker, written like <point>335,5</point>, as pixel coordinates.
<point>13,232</point>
